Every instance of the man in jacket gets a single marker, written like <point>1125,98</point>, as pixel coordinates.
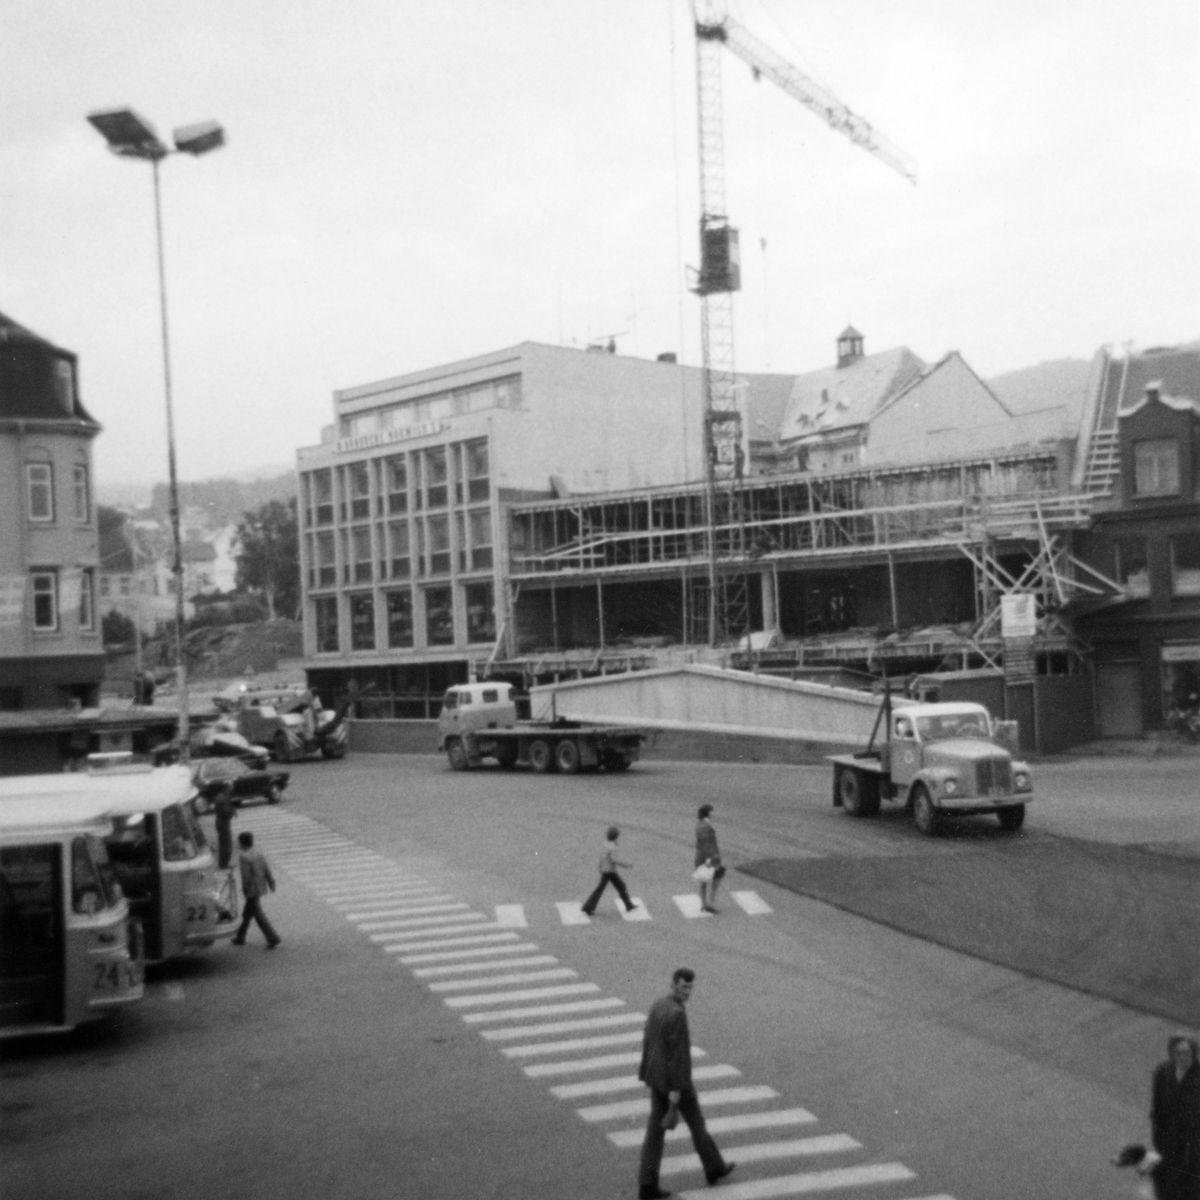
<point>667,1071</point>
<point>257,880</point>
<point>1175,1121</point>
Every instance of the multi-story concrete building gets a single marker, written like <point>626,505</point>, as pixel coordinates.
<point>50,651</point>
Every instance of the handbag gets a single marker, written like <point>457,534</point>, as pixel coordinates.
<point>704,873</point>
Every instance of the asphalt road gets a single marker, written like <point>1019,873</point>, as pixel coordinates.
<point>330,1068</point>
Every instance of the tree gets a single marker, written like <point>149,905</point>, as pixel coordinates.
<point>268,558</point>
<point>116,629</point>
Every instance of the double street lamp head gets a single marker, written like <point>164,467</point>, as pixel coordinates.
<point>132,136</point>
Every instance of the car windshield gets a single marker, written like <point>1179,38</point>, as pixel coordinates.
<point>952,725</point>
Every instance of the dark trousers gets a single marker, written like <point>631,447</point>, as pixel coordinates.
<point>589,905</point>
<point>652,1147</point>
<point>252,910</point>
<point>224,844</point>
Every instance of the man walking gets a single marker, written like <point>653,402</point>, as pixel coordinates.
<point>667,1071</point>
<point>608,874</point>
<point>257,880</point>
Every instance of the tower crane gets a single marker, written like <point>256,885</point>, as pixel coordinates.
<point>719,276</point>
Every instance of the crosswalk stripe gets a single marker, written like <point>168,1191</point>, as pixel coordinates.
<point>808,1182</point>
<point>624,1083</point>
<point>456,985</point>
<point>689,905</point>
<point>712,1099</point>
<point>511,916</point>
<point>563,989</point>
<point>830,1143</point>
<point>495,1035</point>
<point>778,1118</point>
<point>407,910</point>
<point>378,891</point>
<point>461,968</point>
<point>639,912</point>
<point>394,930</point>
<point>544,1010</point>
<point>476,922</point>
<point>476,952</point>
<point>581,1043</point>
<point>446,943</point>
<point>574,1066</point>
<point>328,862</point>
<point>752,903</point>
<point>570,912</point>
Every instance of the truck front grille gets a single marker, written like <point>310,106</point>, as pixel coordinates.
<point>993,775</point>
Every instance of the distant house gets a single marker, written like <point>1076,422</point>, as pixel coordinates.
<point>135,570</point>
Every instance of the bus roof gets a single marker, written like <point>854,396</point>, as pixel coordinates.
<point>118,791</point>
<point>44,815</point>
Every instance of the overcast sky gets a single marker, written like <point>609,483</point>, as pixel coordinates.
<point>408,183</point>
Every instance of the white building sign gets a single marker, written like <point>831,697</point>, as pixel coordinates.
<point>1018,615</point>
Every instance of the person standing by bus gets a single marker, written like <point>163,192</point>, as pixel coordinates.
<point>224,810</point>
<point>257,880</point>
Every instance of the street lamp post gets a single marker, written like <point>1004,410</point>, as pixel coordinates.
<point>132,136</point>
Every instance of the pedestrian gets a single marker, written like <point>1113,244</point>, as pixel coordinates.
<point>1175,1121</point>
<point>608,874</point>
<point>257,880</point>
<point>224,810</point>
<point>709,872</point>
<point>667,1071</point>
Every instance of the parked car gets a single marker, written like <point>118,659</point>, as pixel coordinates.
<point>212,775</point>
<point>217,742</point>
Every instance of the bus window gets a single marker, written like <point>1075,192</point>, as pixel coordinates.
<point>27,895</point>
<point>178,843</point>
<point>87,894</point>
<point>197,830</point>
<point>104,869</point>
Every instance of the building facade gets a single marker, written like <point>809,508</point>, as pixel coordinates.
<point>50,645</point>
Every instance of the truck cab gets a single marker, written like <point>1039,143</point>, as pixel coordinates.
<point>467,707</point>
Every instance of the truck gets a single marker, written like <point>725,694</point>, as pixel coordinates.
<point>290,722</point>
<point>942,760</point>
<point>479,720</point>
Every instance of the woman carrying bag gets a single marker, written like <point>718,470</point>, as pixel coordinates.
<point>708,872</point>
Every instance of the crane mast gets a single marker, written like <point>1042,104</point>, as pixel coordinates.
<point>719,276</point>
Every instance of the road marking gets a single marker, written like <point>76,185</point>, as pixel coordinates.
<point>641,1107</point>
<point>407,910</point>
<point>565,989</point>
<point>570,912</point>
<point>378,892</point>
<point>752,903</point>
<point>479,952</point>
<point>602,1062</point>
<point>544,1010</point>
<point>445,943</point>
<point>581,1043</point>
<point>637,913</point>
<point>461,968</point>
<point>447,929</point>
<point>458,985</point>
<point>318,865</point>
<point>495,1035</point>
<point>735,1124</point>
<point>625,1083</point>
<point>392,931</point>
<point>511,916</point>
<point>689,905</point>
<point>831,1143</point>
<point>808,1182</point>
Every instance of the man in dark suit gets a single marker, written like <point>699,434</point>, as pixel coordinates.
<point>667,1071</point>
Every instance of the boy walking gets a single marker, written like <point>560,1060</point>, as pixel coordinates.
<point>257,880</point>
<point>608,874</point>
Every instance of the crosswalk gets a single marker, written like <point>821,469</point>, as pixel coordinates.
<point>564,1033</point>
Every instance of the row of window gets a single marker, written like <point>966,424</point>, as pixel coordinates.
<point>39,493</point>
<point>500,393</point>
<point>46,594</point>
<point>418,479</point>
<point>128,585</point>
<point>1132,556</point>
<point>398,631</point>
<point>415,547</point>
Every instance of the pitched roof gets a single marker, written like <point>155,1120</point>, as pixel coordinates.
<point>1176,370</point>
<point>766,401</point>
<point>838,397</point>
<point>30,387</point>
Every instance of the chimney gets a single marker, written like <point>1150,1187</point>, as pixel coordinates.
<point>849,347</point>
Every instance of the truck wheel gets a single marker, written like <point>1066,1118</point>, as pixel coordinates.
<point>1012,817</point>
<point>456,752</point>
<point>333,751</point>
<point>926,818</point>
<point>858,792</point>
<point>566,756</point>
<point>273,793</point>
<point>541,757</point>
<point>615,760</point>
<point>506,755</point>
<point>283,748</point>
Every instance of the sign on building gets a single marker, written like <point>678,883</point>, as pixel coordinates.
<point>1018,615</point>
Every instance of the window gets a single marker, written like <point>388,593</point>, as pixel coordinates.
<point>481,539</point>
<point>361,547</point>
<point>398,550</point>
<point>439,617</point>
<point>395,476</point>
<point>1133,565</point>
<point>83,502</point>
<point>105,585</point>
<point>1156,467</point>
<point>39,481</point>
<point>481,617</point>
<point>362,621</point>
<point>326,560</point>
<point>477,470</point>
<point>439,545</point>
<point>435,477</point>
<point>87,599</point>
<point>45,600</point>
<point>64,384</point>
<point>326,614</point>
<point>417,494</point>
<point>359,482</point>
<point>179,841</point>
<point>322,496</point>
<point>87,893</point>
<point>1185,564</point>
<point>399,619</point>
<point>460,539</point>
